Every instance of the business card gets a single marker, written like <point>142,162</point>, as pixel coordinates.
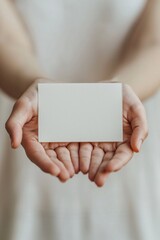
<point>80,112</point>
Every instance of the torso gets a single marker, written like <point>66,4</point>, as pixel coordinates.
<point>78,41</point>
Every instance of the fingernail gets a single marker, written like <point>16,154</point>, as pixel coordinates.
<point>139,144</point>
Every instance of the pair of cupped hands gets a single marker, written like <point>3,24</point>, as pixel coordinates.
<point>63,160</point>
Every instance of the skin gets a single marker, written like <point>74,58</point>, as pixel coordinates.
<point>22,126</point>
<point>65,159</point>
<point>99,159</point>
<point>109,157</point>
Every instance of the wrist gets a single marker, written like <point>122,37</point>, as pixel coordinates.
<point>27,83</point>
<point>30,95</point>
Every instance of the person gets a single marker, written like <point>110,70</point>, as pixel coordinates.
<point>96,58</point>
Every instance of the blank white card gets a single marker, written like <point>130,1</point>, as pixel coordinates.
<point>80,112</point>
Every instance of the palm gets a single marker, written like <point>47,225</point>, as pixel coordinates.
<point>109,157</point>
<point>64,159</point>
<point>49,155</point>
<point>111,147</point>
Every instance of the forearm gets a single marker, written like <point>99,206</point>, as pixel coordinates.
<point>18,64</point>
<point>141,70</point>
<point>139,65</point>
<point>18,69</point>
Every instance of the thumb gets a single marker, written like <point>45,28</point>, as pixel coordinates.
<point>21,114</point>
<point>140,128</point>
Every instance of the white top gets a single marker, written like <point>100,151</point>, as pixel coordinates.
<point>78,41</point>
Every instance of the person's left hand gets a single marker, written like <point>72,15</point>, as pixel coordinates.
<point>100,159</point>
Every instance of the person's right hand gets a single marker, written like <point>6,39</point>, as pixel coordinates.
<point>58,159</point>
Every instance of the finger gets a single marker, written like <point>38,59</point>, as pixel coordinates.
<point>102,175</point>
<point>38,156</point>
<point>54,145</point>
<point>96,159</point>
<point>85,156</point>
<point>16,121</point>
<point>63,175</point>
<point>74,153</point>
<point>64,156</point>
<point>121,157</point>
<point>139,127</point>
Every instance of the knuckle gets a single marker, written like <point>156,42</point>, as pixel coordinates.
<point>95,144</point>
<point>97,153</point>
<point>18,104</point>
<point>61,165</point>
<point>72,147</point>
<point>46,168</point>
<point>61,151</point>
<point>146,133</point>
<point>137,107</point>
<point>86,147</point>
<point>8,125</point>
<point>22,103</point>
<point>113,168</point>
